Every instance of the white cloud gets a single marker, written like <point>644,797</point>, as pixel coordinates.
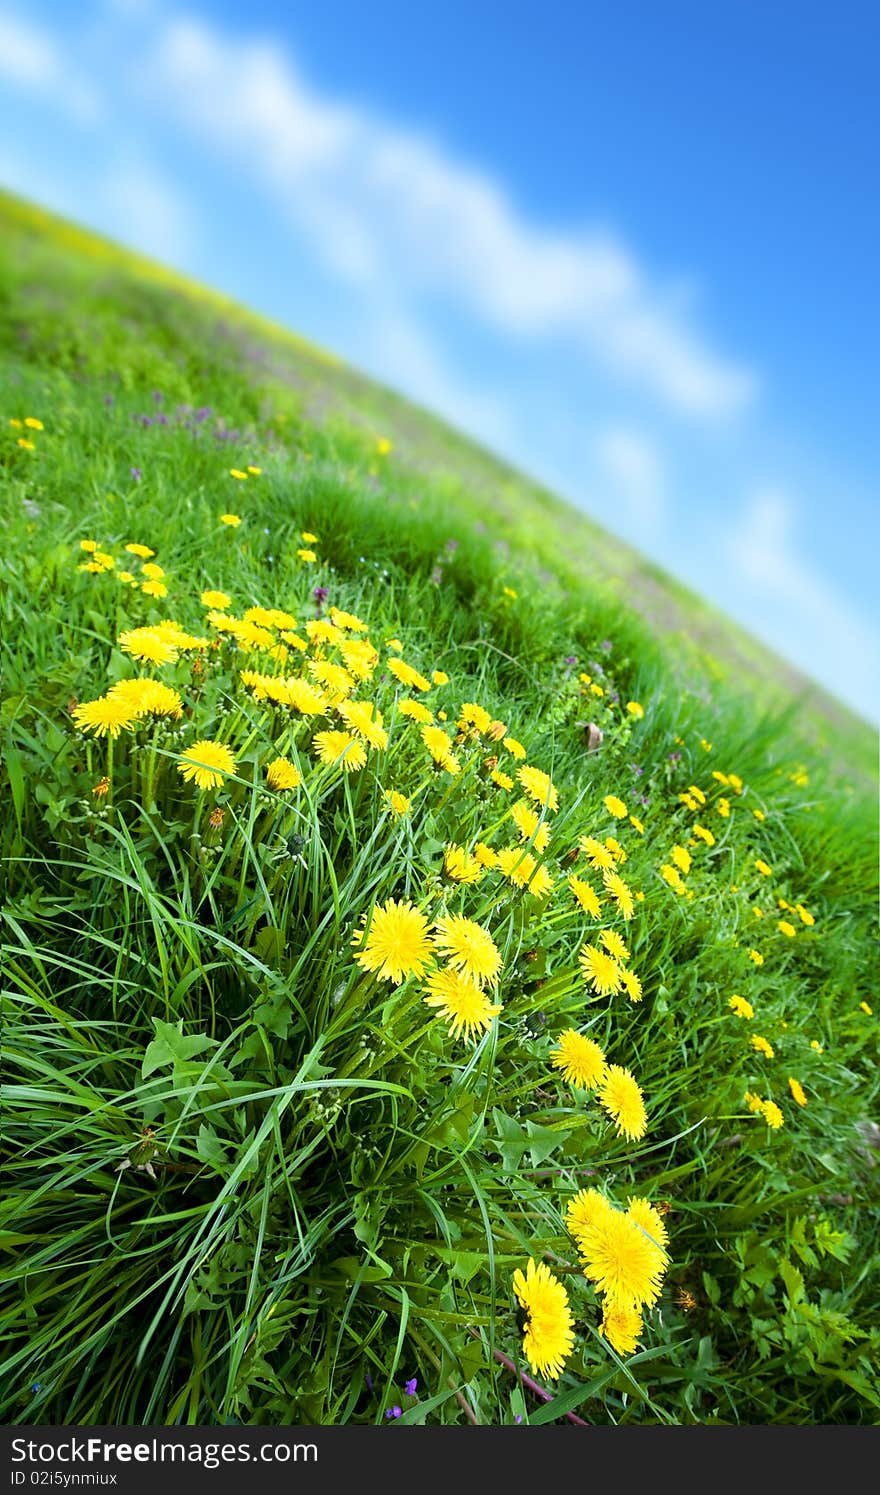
<point>394,212</point>
<point>793,600</point>
<point>635,468</point>
<point>139,205</point>
<point>31,59</point>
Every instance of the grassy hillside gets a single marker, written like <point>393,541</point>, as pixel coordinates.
<point>398,894</point>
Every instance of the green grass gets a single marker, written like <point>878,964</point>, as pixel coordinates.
<point>339,1191</point>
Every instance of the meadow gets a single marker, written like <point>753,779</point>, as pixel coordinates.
<point>439,952</point>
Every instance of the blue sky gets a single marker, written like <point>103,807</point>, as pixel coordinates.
<point>630,246</point>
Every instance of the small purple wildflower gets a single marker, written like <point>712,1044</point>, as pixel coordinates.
<point>570,659</point>
<point>136,474</point>
<point>674,757</point>
<point>368,1381</point>
<point>606,646</point>
<point>410,1386</point>
<point>518,1417</point>
<point>637,768</point>
<point>451,546</point>
<point>437,575</point>
<point>393,1411</point>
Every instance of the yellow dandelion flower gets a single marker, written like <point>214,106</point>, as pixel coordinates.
<point>620,1260</point>
<point>461,1003</point>
<point>635,709</point>
<point>440,748</point>
<point>407,675</point>
<point>620,892</point>
<point>623,1100</point>
<point>520,868</point>
<point>757,957</point>
<point>27,446</point>
<point>472,715</point>
<point>236,472</point>
<point>509,592</point>
<point>148,645</point>
<point>759,814</point>
<point>154,588</point>
<point>601,971</point>
<point>333,747</point>
<point>740,1007</point>
<point>586,896</point>
<point>754,1102</point>
<point>632,986</point>
<point>621,1327</point>
<point>233,520</point>
<point>416,711</point>
<point>485,855</point>
<point>359,656</point>
<point>148,697</point>
<point>514,747</point>
<point>539,787</point>
<point>597,855</point>
<point>615,946</point>
<point>763,868</point>
<point>467,947</point>
<point>581,1061</point>
<point>460,865</point>
<point>397,803</point>
<point>816,1046</point>
<point>503,780</point>
<point>723,807</point>
<point>797,1090</point>
<point>106,716</point>
<point>866,1009</point>
<point>529,825</point>
<point>255,472</point>
<point>772,1114</point>
<point>681,858</point>
<point>548,1337</point>
<point>347,621</point>
<point>394,643</point>
<point>804,915</point>
<point>585,1210</point>
<point>701,832</point>
<point>207,762</point>
<point>634,820</point>
<point>649,1219</point>
<point>384,446</point>
<point>307,556</point>
<point>787,929</point>
<point>282,774</point>
<point>143,551</point>
<point>440,677</point>
<point>363,719</point>
<point>615,807</point>
<point>33,423</point>
<point>397,944</point>
<point>761,1045</point>
<point>672,876</point>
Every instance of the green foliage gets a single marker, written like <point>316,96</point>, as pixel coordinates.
<point>244,1179</point>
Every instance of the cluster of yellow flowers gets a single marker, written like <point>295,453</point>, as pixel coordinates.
<point>147,576</point>
<point>623,1254</point>
<point>29,423</point>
